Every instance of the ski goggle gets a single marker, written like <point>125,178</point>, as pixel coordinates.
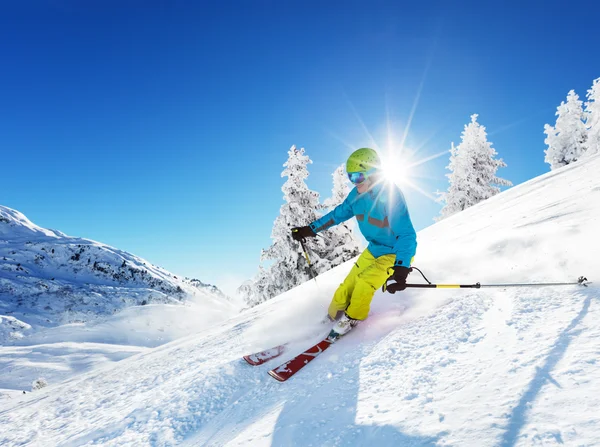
<point>357,177</point>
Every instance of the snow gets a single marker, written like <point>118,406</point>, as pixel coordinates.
<point>48,278</point>
<point>444,367</point>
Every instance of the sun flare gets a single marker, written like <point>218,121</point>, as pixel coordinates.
<point>395,171</point>
<point>402,163</point>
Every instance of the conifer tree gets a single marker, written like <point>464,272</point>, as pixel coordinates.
<point>592,119</point>
<point>288,267</point>
<point>567,140</point>
<point>473,169</point>
<point>337,244</point>
<point>341,188</point>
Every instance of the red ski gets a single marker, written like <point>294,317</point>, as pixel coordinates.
<point>258,358</point>
<point>261,357</point>
<point>288,369</point>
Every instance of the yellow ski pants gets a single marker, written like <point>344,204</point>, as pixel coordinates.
<point>355,294</point>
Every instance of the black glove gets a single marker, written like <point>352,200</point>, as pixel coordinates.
<point>299,233</point>
<point>400,275</point>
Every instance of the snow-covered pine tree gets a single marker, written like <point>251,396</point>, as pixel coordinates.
<point>254,290</point>
<point>337,244</point>
<point>592,119</point>
<point>341,188</point>
<point>473,171</point>
<point>289,267</point>
<point>567,140</point>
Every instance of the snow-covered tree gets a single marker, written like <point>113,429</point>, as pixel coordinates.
<point>288,265</point>
<point>337,244</point>
<point>473,169</point>
<point>567,140</point>
<point>592,119</point>
<point>341,188</point>
<point>255,290</point>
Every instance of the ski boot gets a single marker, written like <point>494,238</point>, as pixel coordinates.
<point>343,326</point>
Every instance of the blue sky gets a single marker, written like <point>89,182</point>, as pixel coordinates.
<point>161,127</point>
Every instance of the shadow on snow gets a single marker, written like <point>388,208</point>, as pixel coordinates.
<point>518,417</point>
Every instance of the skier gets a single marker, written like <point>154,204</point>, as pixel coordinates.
<point>383,219</point>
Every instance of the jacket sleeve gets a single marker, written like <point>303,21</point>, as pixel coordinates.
<point>405,245</point>
<point>340,214</point>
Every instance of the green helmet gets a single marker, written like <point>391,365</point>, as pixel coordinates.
<point>363,160</point>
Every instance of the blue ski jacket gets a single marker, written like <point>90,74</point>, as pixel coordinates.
<point>383,220</point>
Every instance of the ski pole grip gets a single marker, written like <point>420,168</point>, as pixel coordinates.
<point>393,287</point>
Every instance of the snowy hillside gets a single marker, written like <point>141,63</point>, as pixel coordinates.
<point>47,278</point>
<point>459,367</point>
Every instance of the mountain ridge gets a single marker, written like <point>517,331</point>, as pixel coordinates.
<point>48,277</point>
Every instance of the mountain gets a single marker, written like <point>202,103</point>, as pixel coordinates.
<point>49,278</point>
<point>506,366</point>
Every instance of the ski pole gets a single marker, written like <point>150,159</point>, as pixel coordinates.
<point>393,288</point>
<point>310,269</point>
<point>582,282</point>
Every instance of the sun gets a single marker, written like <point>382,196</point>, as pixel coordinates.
<point>395,170</point>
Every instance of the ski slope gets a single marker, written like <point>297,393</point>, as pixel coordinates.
<point>470,367</point>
